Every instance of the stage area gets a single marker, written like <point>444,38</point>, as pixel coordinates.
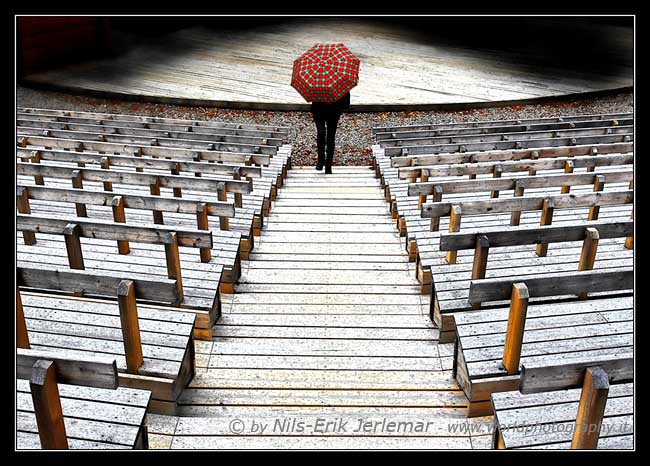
<point>403,66</point>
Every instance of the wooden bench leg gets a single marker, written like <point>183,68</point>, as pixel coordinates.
<point>547,219</point>
<point>47,406</point>
<point>515,329</point>
<point>119,216</point>
<point>130,326</point>
<point>568,168</point>
<point>106,164</point>
<point>154,189</point>
<point>203,224</point>
<point>479,266</point>
<point>591,409</point>
<point>588,254</point>
<point>22,337</point>
<point>72,233</point>
<point>496,171</point>
<point>599,185</point>
<point>176,170</point>
<point>437,197</point>
<point>515,217</point>
<point>238,196</point>
<point>629,241</point>
<point>22,204</point>
<point>173,259</point>
<point>224,223</point>
<point>454,226</point>
<point>77,183</point>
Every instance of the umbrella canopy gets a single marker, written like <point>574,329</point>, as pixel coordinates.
<point>325,73</point>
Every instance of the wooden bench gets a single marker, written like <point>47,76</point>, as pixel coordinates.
<point>65,402</point>
<point>176,138</point>
<point>530,192</point>
<point>509,145</point>
<point>507,129</point>
<point>139,209</point>
<point>500,123</point>
<point>149,121</point>
<point>210,144</point>
<point>60,242</point>
<point>596,415</point>
<point>418,139</point>
<point>144,129</point>
<point>252,202</point>
<point>452,285</point>
<point>494,163</point>
<point>121,182</point>
<point>153,346</point>
<point>544,324</point>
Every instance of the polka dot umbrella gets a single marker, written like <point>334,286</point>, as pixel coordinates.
<point>325,73</point>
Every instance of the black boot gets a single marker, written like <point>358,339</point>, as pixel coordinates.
<point>328,169</point>
<point>319,165</point>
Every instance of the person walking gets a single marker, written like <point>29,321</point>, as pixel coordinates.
<point>326,116</point>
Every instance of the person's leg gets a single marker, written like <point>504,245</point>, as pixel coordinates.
<point>320,139</point>
<point>332,122</point>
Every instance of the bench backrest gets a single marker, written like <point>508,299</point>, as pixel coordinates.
<point>89,372</point>
<point>557,284</point>
<point>131,201</point>
<point>522,235</point>
<point>523,182</point>
<point>503,156</point>
<point>50,278</point>
<point>512,204</point>
<point>139,162</point>
<point>134,178</point>
<point>549,376</point>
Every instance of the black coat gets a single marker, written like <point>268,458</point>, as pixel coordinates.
<point>324,110</point>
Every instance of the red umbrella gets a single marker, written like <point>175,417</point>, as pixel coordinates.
<point>325,73</point>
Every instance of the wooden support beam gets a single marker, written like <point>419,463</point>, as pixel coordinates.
<point>472,159</point>
<point>176,170</point>
<point>454,226</point>
<point>480,261</point>
<point>515,329</point>
<point>138,153</point>
<point>239,199</point>
<point>203,224</point>
<point>568,168</point>
<point>154,189</point>
<point>534,155</point>
<point>591,409</point>
<point>47,406</point>
<point>515,217</point>
<point>497,171</point>
<point>480,257</point>
<point>119,216</point>
<point>592,151</point>
<point>629,241</point>
<point>22,204</point>
<point>224,223</point>
<point>72,233</point>
<point>22,337</point>
<point>106,165</point>
<point>174,262</point>
<point>77,183</point>
<point>422,198</point>
<point>599,185</point>
<point>35,157</point>
<point>436,197</point>
<point>130,326</point>
<point>588,255</point>
<point>547,218</point>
